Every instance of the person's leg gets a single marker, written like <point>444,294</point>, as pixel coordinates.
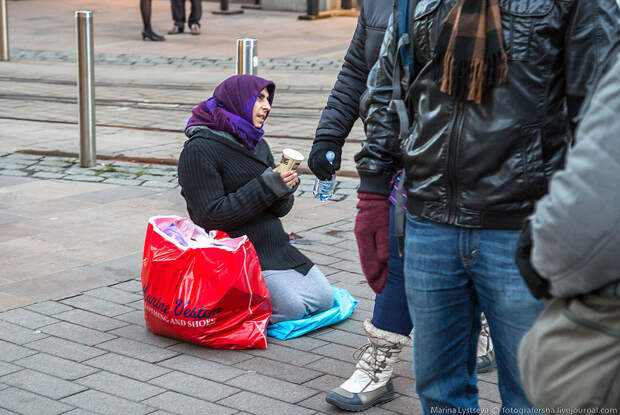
<point>445,315</point>
<point>195,13</point>
<point>145,11</point>
<point>177,7</point>
<point>388,333</point>
<point>294,295</point>
<point>508,306</point>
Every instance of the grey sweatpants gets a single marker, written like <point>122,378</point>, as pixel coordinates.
<point>295,295</point>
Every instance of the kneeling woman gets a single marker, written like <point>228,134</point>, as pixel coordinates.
<point>227,177</point>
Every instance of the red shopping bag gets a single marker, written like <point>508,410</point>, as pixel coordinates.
<point>205,288</point>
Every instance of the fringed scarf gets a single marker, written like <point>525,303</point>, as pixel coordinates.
<point>470,56</point>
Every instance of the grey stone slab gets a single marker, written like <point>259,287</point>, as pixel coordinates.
<point>138,305</point>
<point>79,411</point>
<point>6,368</point>
<point>15,173</point>
<point>404,386</point>
<point>83,178</point>
<point>160,184</point>
<point>23,157</point>
<point>28,403</point>
<point>102,403</point>
<point>91,320</point>
<point>229,357</point>
<point>80,171</point>
<point>405,405</point>
<point>10,352</point>
<point>304,343</point>
<point>194,386</point>
<point>49,307</point>
<point>48,175</point>
<point>137,350</point>
<point>489,391</point>
<point>42,384</point>
<point>114,295</point>
<point>125,267</point>
<point>343,338</point>
<point>77,334</point>
<point>325,383</point>
<point>336,351</point>
<point>112,195</point>
<point>27,318</point>
<point>12,181</point>
<point>6,218</point>
<point>280,370</point>
<point>56,366</point>
<point>65,349</point>
<point>134,317</point>
<point>154,177</point>
<point>123,182</point>
<point>17,334</point>
<point>132,286</point>
<point>127,366</point>
<point>120,386</point>
<point>202,368</point>
<point>182,405</point>
<point>262,405</point>
<point>143,335</point>
<point>333,367</point>
<point>96,305</point>
<point>317,403</point>
<point>275,388</point>
<point>285,354</point>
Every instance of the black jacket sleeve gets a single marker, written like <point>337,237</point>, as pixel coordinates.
<point>342,107</point>
<point>208,203</point>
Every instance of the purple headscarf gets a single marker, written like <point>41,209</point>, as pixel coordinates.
<point>231,106</point>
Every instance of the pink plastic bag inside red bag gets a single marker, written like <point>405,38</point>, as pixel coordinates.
<point>205,288</point>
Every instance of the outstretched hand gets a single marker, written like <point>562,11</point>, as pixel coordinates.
<point>289,177</point>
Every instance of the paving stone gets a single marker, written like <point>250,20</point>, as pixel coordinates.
<point>275,388</point>
<point>77,334</point>
<point>333,366</point>
<point>325,383</point>
<point>161,184</point>
<point>23,156</point>
<point>202,368</point>
<point>194,386</point>
<point>489,392</point>
<point>262,405</point>
<point>16,173</point>
<point>28,403</point>
<point>65,349</point>
<point>404,386</point>
<point>124,182</point>
<point>336,351</point>
<point>120,386</point>
<point>228,357</point>
<point>304,343</point>
<point>10,352</point>
<point>96,305</point>
<point>344,338</point>
<point>182,405</point>
<point>138,305</point>
<point>79,411</point>
<point>42,384</point>
<point>102,403</point>
<point>143,335</point>
<point>27,318</point>
<point>284,354</point>
<point>404,405</point>
<point>44,168</point>
<point>318,403</point>
<point>113,294</point>
<point>349,266</point>
<point>127,366</point>
<point>80,171</point>
<point>90,320</point>
<point>17,334</point>
<point>49,307</point>
<point>153,177</point>
<point>83,178</point>
<point>134,317</point>
<point>279,370</point>
<point>6,368</point>
<point>56,366</point>
<point>132,286</point>
<point>138,350</point>
<point>48,175</point>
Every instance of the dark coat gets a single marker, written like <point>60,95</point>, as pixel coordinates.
<point>228,188</point>
<point>484,166</point>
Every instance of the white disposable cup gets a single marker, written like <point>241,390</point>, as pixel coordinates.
<point>291,159</point>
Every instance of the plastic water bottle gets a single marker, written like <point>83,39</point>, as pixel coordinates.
<point>324,189</point>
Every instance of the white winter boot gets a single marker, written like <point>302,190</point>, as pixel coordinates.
<point>371,382</point>
<point>485,359</point>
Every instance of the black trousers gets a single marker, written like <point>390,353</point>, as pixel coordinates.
<point>178,12</point>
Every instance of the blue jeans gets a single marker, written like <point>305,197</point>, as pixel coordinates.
<point>391,312</point>
<point>453,274</point>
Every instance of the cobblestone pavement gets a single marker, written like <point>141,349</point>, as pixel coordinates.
<point>155,176</point>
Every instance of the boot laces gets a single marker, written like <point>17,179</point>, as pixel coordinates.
<point>373,360</point>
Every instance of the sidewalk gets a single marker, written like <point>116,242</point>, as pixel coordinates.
<point>73,339</point>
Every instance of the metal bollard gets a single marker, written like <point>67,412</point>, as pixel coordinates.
<point>313,7</point>
<point>86,87</point>
<point>346,4</point>
<point>4,32</point>
<point>224,5</point>
<point>247,56</point>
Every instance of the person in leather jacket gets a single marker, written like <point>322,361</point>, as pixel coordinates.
<point>491,118</point>
<point>390,326</point>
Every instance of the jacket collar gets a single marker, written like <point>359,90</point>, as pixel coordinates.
<point>227,140</point>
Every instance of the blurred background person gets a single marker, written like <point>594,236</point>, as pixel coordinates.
<point>147,30</point>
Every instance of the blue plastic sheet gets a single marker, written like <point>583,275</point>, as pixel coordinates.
<point>344,304</point>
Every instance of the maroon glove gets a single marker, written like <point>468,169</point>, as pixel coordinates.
<point>373,238</point>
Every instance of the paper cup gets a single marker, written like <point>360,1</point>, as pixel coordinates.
<point>291,159</point>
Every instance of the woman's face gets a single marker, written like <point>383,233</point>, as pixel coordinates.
<point>261,108</point>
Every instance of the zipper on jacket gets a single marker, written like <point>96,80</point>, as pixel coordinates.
<point>452,165</point>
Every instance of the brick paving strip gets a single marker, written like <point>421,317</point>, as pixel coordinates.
<point>124,173</point>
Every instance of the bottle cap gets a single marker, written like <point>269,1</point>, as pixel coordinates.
<point>330,156</point>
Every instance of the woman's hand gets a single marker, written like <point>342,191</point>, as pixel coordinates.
<point>289,177</point>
